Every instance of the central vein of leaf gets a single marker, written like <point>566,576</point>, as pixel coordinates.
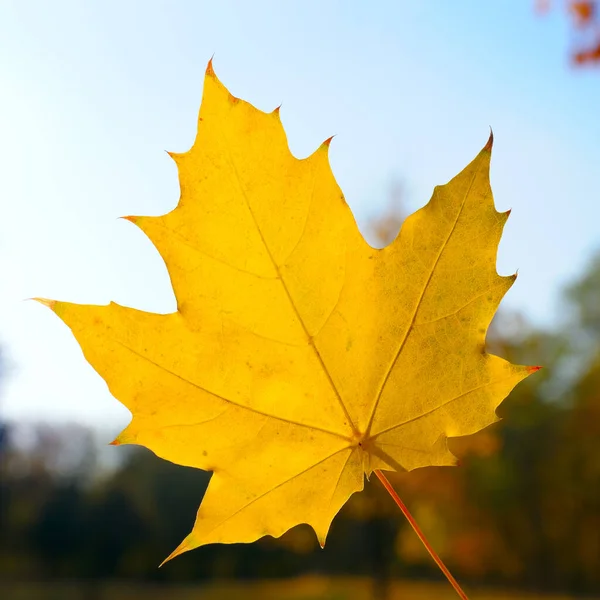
<point>310,340</point>
<point>417,306</point>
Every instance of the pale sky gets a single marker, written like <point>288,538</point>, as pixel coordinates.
<point>93,93</point>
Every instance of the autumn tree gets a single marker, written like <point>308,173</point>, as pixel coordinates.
<point>585,21</point>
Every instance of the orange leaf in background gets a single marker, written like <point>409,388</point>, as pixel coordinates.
<point>585,17</point>
<point>583,12</point>
<point>301,359</point>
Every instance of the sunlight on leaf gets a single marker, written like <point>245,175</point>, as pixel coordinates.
<point>300,358</point>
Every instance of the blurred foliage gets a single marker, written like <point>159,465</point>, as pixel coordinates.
<point>585,20</point>
<point>522,509</point>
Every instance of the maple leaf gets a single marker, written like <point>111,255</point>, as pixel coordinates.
<point>300,358</point>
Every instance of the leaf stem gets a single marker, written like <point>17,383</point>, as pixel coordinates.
<point>392,492</point>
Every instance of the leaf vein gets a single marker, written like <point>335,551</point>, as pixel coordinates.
<point>292,303</point>
<point>271,490</point>
<point>418,305</point>
<point>432,410</point>
<point>492,289</point>
<point>242,406</point>
<point>189,244</point>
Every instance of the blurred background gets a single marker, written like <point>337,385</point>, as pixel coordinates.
<point>92,95</point>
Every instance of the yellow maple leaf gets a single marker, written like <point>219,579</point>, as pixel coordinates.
<point>300,358</point>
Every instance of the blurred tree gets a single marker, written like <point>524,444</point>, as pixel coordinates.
<point>586,28</point>
<point>56,534</point>
<point>3,426</point>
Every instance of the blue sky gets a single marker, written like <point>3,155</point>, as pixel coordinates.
<point>93,93</point>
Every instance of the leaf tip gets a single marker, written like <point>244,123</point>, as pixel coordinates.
<point>533,369</point>
<point>130,218</point>
<point>51,304</point>
<point>176,155</point>
<point>490,142</point>
<point>183,547</point>
<point>321,535</point>
<point>325,145</point>
<point>210,72</point>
